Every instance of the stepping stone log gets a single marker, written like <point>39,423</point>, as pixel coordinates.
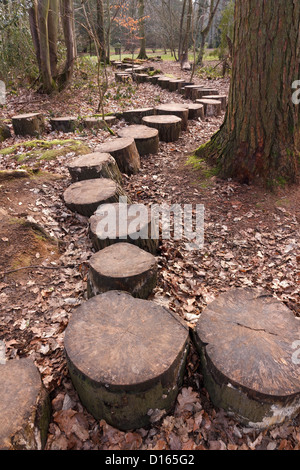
<point>175,109</point>
<point>188,90</point>
<point>146,138</point>
<point>98,122</point>
<point>196,111</point>
<point>24,406</point>
<point>175,84</point>
<point>94,165</point>
<point>130,223</point>
<point>163,82</point>
<point>222,98</point>
<point>32,124</point>
<point>84,197</point>
<point>211,107</point>
<point>199,93</point>
<point>126,358</point>
<point>66,124</point>
<point>168,126</point>
<point>246,341</point>
<point>125,267</point>
<point>135,116</point>
<point>125,153</point>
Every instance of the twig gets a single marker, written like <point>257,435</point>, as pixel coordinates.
<point>4,273</point>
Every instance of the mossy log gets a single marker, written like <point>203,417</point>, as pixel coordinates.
<point>84,197</point>
<point>32,124</point>
<point>168,126</point>
<point>135,116</point>
<point>125,153</point>
<point>66,124</point>
<point>146,138</point>
<point>24,407</point>
<point>125,267</point>
<point>126,358</point>
<point>175,109</point>
<point>95,165</point>
<point>246,339</point>
<point>211,107</point>
<point>127,223</point>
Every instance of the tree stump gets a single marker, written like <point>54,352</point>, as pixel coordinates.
<point>175,85</point>
<point>182,89</point>
<point>126,358</point>
<point>95,165</point>
<point>175,109</point>
<point>124,152</point>
<point>163,82</point>
<point>125,267</point>
<point>66,124</point>
<point>154,79</point>
<point>141,77</point>
<point>123,77</point>
<point>211,107</point>
<point>188,89</point>
<point>168,126</point>
<point>99,122</point>
<point>222,98</point>
<point>196,111</point>
<point>146,138</point>
<point>84,197</point>
<point>246,339</point>
<point>119,223</point>
<point>24,407</point>
<point>199,93</point>
<point>4,132</point>
<point>135,116</point>
<point>32,124</point>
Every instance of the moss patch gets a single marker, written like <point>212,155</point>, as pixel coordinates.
<point>41,150</point>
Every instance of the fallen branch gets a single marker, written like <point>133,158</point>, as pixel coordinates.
<point>4,273</point>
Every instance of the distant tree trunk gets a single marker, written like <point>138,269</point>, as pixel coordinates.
<point>68,24</point>
<point>184,59</point>
<point>204,32</point>
<point>43,12</point>
<point>101,30</point>
<point>53,35</point>
<point>142,54</point>
<point>33,21</point>
<point>181,29</point>
<point>260,138</point>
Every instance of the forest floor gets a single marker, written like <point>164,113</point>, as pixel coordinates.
<point>251,239</point>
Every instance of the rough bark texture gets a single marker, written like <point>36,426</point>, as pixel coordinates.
<point>259,139</point>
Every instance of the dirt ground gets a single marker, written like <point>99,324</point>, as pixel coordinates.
<point>251,239</point>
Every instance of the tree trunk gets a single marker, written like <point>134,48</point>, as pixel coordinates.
<point>204,32</point>
<point>33,21</point>
<point>53,35</point>
<point>43,12</point>
<point>142,54</point>
<point>67,18</point>
<point>259,139</point>
<point>100,31</point>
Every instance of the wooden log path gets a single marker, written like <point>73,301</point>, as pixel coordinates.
<point>126,354</point>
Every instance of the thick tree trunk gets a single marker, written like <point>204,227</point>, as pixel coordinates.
<point>259,139</point>
<point>67,18</point>
<point>43,12</point>
<point>33,22</point>
<point>53,35</point>
<point>100,31</point>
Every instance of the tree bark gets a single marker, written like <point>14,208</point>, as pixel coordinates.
<point>53,35</point>
<point>259,139</point>
<point>100,30</point>
<point>68,23</point>
<point>43,12</point>
<point>142,54</point>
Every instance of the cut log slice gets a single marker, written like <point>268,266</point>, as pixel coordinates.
<point>126,358</point>
<point>99,123</point>
<point>135,116</point>
<point>120,222</point>
<point>246,339</point>
<point>175,84</point>
<point>24,407</point>
<point>175,109</point>
<point>95,165</point>
<point>222,98</point>
<point>125,153</point>
<point>66,124</point>
<point>84,197</point>
<point>169,126</point>
<point>32,124</point>
<point>146,138</point>
<point>163,82</point>
<point>211,107</point>
<point>125,267</point>
<point>200,92</point>
<point>196,111</point>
